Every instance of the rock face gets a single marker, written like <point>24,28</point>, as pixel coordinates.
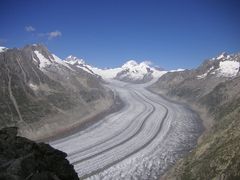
<point>22,159</point>
<point>42,94</point>
<point>214,86</point>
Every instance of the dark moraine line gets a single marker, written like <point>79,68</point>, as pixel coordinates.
<point>125,140</point>
<point>134,152</point>
<point>114,136</point>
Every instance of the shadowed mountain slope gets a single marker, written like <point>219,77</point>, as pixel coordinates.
<point>41,93</point>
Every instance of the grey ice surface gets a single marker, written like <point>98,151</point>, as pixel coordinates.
<point>140,141</point>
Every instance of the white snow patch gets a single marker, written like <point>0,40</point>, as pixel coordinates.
<point>130,69</point>
<point>130,64</point>
<point>2,49</point>
<point>202,76</point>
<point>79,63</point>
<point>158,74</point>
<point>106,73</point>
<point>228,68</point>
<point>222,56</point>
<point>35,60</point>
<point>177,70</point>
<point>134,70</point>
<point>85,69</point>
<point>43,62</point>
<point>33,86</point>
<point>60,61</point>
<point>74,60</point>
<point>137,71</point>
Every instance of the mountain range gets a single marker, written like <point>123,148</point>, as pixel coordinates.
<point>131,71</point>
<point>213,90</point>
<point>44,95</point>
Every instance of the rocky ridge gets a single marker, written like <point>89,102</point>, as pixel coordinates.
<point>41,94</point>
<point>215,87</point>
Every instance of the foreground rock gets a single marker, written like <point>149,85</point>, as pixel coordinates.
<point>22,159</point>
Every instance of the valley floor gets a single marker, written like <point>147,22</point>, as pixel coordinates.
<point>141,141</point>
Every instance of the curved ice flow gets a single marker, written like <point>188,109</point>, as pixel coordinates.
<point>138,142</point>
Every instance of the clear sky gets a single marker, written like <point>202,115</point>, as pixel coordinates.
<point>106,33</point>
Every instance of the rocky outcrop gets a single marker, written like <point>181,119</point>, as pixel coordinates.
<point>22,159</point>
<point>217,90</point>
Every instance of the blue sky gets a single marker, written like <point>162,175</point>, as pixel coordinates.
<point>106,33</point>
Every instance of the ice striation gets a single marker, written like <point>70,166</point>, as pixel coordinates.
<point>140,141</point>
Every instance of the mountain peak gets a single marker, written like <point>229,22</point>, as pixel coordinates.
<point>36,46</point>
<point>74,60</point>
<point>138,72</point>
<point>222,55</point>
<point>130,64</point>
<point>2,49</point>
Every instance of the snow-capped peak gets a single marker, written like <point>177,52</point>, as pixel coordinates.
<point>45,59</point>
<point>136,68</point>
<point>222,56</point>
<point>129,64</point>
<point>228,68</point>
<point>133,71</point>
<point>228,65</point>
<point>74,60</point>
<point>133,66</point>
<point>224,65</point>
<point>80,63</point>
<point>2,49</point>
<point>71,57</point>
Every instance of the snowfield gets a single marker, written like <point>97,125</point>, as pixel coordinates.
<point>106,73</point>
<point>43,62</point>
<point>137,71</point>
<point>228,68</point>
<point>2,49</point>
<point>138,142</point>
<point>131,69</point>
